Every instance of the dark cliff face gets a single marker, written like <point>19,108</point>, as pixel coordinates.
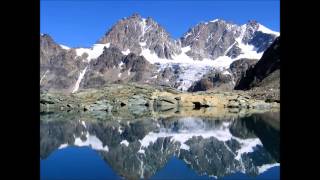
<point>239,68</point>
<point>265,72</point>
<point>59,68</point>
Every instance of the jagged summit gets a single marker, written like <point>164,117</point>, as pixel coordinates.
<point>135,15</point>
<point>136,34</point>
<point>218,38</point>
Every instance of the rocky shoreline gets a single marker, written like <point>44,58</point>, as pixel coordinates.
<point>141,99</point>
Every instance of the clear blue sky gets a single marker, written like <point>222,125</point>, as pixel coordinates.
<point>82,22</point>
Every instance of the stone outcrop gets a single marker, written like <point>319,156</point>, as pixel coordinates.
<point>144,98</point>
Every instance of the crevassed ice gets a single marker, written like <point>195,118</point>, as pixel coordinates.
<point>193,70</point>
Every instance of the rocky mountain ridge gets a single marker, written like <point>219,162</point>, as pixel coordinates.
<point>140,50</point>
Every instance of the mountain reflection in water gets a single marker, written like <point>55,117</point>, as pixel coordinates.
<point>152,147</point>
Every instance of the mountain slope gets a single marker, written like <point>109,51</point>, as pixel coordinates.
<point>266,72</point>
<point>113,66</point>
<point>59,68</point>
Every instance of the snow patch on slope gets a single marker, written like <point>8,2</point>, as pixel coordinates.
<point>44,76</point>
<point>64,47</point>
<point>84,124</point>
<point>265,167</point>
<point>91,141</point>
<point>215,20</point>
<point>247,146</point>
<point>63,146</point>
<point>266,30</point>
<point>76,86</point>
<point>142,44</point>
<point>94,52</point>
<point>124,142</point>
<point>126,52</point>
<point>248,51</point>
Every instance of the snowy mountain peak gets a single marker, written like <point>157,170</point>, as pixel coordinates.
<point>137,34</point>
<point>256,26</point>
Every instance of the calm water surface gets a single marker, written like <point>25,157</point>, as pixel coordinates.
<point>78,147</point>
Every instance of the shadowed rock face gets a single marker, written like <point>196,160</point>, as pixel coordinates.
<point>138,148</point>
<point>238,68</point>
<point>266,72</point>
<point>59,68</point>
<point>261,41</point>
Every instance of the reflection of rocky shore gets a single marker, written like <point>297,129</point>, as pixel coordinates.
<point>140,147</point>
